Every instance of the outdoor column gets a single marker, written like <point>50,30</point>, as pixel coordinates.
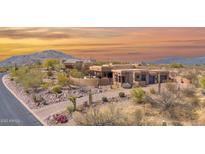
<point>147,78</point>
<point>159,84</point>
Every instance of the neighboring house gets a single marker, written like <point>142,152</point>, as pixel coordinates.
<point>70,63</point>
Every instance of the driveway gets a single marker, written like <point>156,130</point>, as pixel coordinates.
<point>12,112</point>
<point>46,111</point>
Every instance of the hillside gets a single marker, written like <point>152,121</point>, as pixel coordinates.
<point>180,60</point>
<point>34,58</point>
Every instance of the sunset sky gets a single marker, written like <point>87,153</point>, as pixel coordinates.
<point>127,44</point>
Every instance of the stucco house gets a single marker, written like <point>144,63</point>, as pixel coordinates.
<point>139,76</point>
<point>129,73</point>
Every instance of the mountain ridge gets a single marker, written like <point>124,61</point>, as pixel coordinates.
<point>34,58</point>
<point>179,60</point>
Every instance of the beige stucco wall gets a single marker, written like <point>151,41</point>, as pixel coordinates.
<point>90,81</point>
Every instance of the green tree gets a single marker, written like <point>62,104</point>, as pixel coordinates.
<point>51,63</point>
<point>176,65</point>
<point>63,80</point>
<point>29,78</point>
<point>76,74</point>
<point>57,89</point>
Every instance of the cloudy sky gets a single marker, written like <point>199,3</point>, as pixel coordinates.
<point>128,44</point>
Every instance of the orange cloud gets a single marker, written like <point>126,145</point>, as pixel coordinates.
<point>104,43</point>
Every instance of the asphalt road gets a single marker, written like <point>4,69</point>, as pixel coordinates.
<point>12,112</point>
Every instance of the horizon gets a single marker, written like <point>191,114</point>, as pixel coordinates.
<point>117,44</point>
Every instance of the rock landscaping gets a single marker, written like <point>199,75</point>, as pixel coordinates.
<point>43,97</point>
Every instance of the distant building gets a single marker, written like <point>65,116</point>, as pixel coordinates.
<point>70,63</point>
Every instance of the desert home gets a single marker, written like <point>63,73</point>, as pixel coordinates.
<point>122,75</point>
<point>138,76</point>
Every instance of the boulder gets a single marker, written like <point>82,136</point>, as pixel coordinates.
<point>126,85</point>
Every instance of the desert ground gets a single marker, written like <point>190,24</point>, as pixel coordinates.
<point>48,89</point>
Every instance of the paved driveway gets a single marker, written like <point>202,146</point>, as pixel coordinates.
<point>12,112</point>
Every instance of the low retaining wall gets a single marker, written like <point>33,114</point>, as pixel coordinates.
<point>90,81</point>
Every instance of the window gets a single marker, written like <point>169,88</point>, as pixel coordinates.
<point>143,77</point>
<point>163,78</point>
<point>119,79</point>
<point>137,77</point>
<point>123,79</point>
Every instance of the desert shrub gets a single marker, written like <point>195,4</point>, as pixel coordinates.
<point>164,100</point>
<point>49,73</point>
<point>73,101</point>
<point>99,63</point>
<point>194,101</point>
<point>104,99</point>
<point>121,94</point>
<point>19,72</point>
<point>32,80</point>
<point>192,76</point>
<point>152,91</point>
<point>27,76</point>
<point>37,98</point>
<point>138,95</point>
<point>183,113</point>
<point>51,63</point>
<point>85,68</point>
<point>203,91</point>
<point>177,123</point>
<point>60,118</point>
<point>76,74</point>
<point>62,79</point>
<point>176,66</point>
<point>45,85</point>
<point>188,91</point>
<point>108,115</point>
<point>71,108</point>
<point>164,123</point>
<point>138,117</point>
<point>56,89</point>
<point>202,82</point>
<point>78,66</point>
<point>98,117</point>
<point>3,69</point>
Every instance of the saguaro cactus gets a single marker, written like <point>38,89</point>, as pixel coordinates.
<point>73,100</point>
<point>90,97</point>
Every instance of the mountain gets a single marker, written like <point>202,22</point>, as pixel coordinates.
<point>37,57</point>
<point>179,60</point>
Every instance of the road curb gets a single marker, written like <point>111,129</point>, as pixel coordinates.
<point>23,103</point>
